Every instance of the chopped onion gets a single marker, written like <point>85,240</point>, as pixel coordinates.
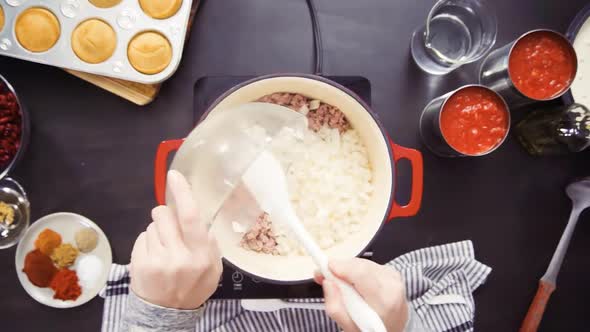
<point>314,105</point>
<point>304,110</point>
<point>238,228</point>
<point>329,178</point>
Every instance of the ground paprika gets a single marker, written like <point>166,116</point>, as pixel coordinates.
<point>39,268</point>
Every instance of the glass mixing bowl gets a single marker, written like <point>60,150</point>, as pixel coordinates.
<point>220,149</point>
<point>6,88</point>
<point>13,194</point>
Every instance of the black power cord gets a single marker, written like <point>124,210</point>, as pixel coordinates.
<point>317,37</point>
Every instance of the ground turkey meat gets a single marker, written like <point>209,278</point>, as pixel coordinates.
<point>260,237</point>
<point>298,101</point>
<point>325,114</point>
<point>279,98</point>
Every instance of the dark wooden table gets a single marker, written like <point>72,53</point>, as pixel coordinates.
<point>92,153</point>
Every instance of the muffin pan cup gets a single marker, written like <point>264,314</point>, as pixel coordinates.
<point>127,19</point>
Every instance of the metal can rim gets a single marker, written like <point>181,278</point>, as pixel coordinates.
<point>567,42</point>
<point>506,110</point>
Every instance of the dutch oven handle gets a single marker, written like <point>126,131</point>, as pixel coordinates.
<point>399,152</point>
<point>417,164</point>
<point>161,167</point>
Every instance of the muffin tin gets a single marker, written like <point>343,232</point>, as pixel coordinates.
<point>126,18</point>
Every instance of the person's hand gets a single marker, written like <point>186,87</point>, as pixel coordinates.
<point>381,286</point>
<point>176,263</point>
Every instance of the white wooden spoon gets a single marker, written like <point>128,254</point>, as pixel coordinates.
<point>266,181</point>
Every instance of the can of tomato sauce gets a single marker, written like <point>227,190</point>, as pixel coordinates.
<point>471,121</point>
<point>540,65</point>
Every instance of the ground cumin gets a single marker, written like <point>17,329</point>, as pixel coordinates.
<point>64,255</point>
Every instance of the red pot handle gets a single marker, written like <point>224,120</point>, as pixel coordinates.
<point>161,167</point>
<point>417,164</point>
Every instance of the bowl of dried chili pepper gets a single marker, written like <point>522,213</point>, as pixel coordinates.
<point>14,136</point>
<point>14,128</point>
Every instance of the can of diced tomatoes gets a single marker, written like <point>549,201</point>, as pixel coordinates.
<point>471,121</point>
<point>540,65</point>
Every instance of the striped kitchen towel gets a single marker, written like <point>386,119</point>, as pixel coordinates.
<point>439,282</point>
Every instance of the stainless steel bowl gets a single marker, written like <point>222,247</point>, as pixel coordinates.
<point>13,194</point>
<point>25,129</point>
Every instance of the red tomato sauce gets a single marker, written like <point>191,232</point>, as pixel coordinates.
<point>542,65</point>
<point>474,120</point>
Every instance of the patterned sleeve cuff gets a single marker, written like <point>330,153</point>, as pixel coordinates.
<point>143,316</point>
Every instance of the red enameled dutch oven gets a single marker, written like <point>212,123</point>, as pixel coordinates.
<point>384,154</point>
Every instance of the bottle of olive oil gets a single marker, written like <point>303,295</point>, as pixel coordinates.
<point>555,131</point>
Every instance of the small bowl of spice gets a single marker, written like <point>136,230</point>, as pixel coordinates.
<point>14,212</point>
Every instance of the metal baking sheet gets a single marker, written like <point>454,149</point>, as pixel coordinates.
<point>126,18</point>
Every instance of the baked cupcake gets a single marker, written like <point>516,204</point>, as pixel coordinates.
<point>37,29</point>
<point>160,9</point>
<point>105,3</point>
<point>94,41</point>
<point>149,52</point>
<point>1,18</point>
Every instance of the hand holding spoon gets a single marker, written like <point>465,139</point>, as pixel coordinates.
<point>266,181</point>
<point>579,193</point>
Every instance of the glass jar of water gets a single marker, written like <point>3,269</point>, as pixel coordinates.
<point>456,32</point>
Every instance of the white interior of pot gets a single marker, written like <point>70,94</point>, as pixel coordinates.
<point>294,268</point>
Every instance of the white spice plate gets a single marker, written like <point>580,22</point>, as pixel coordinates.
<point>66,224</point>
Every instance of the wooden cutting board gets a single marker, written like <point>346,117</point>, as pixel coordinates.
<point>138,93</point>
